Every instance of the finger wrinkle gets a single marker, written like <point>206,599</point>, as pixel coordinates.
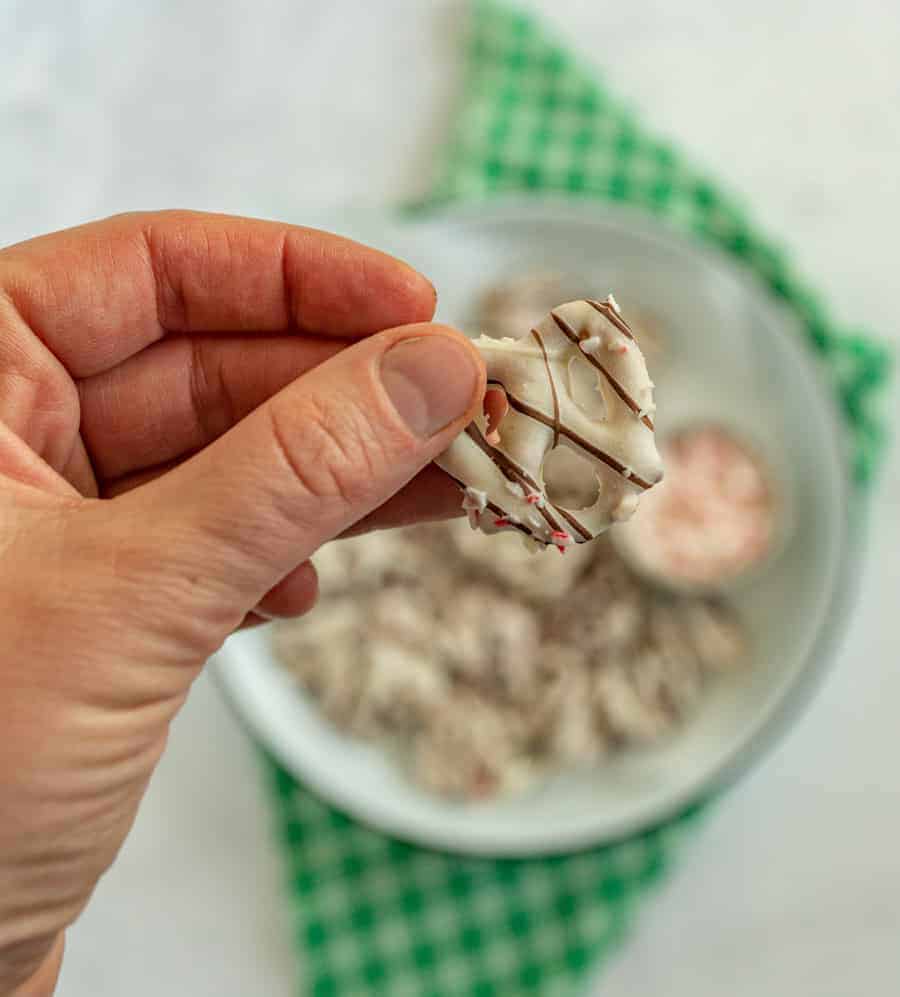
<point>200,392</point>
<point>287,286</point>
<point>169,293</point>
<point>331,459</point>
<point>213,402</point>
<point>39,400</point>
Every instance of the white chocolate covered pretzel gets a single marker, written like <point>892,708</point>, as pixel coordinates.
<point>576,380</point>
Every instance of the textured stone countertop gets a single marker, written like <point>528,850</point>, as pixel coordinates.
<point>793,884</point>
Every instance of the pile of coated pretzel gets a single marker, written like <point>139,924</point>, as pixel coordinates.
<point>483,672</point>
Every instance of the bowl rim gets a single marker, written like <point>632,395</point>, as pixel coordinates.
<point>770,728</point>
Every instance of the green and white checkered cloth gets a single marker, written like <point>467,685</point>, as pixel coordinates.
<point>379,916</point>
<point>375,915</point>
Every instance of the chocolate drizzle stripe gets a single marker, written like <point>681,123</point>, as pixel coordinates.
<point>608,312</point>
<point>513,472</point>
<point>540,343</point>
<point>495,509</point>
<point>623,394</point>
<point>500,514</point>
<point>579,441</point>
<point>565,328</point>
<point>507,467</point>
<point>571,334</point>
<point>574,523</point>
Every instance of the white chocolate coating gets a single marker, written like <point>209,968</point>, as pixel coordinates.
<point>576,380</point>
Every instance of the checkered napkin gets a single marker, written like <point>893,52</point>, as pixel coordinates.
<point>375,915</point>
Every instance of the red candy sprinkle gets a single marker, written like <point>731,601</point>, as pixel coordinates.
<point>501,522</point>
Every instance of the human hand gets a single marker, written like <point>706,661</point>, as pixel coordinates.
<point>183,421</point>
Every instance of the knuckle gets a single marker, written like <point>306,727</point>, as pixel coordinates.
<point>178,250</point>
<point>171,299</point>
<point>57,403</point>
<point>38,398</point>
<point>212,401</point>
<point>334,452</point>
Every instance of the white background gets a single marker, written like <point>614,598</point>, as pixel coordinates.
<point>277,107</point>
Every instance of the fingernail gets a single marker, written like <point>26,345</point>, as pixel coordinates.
<point>434,293</point>
<point>430,380</point>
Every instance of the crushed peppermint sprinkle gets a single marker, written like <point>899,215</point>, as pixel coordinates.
<point>474,500</point>
<point>611,301</point>
<point>591,345</point>
<point>502,521</point>
<point>627,471</point>
<point>534,498</point>
<point>716,516</point>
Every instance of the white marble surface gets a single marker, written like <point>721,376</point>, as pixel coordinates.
<point>793,886</point>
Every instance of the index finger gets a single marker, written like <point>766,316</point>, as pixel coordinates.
<point>101,292</point>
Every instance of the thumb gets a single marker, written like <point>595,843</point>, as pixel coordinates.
<point>315,458</point>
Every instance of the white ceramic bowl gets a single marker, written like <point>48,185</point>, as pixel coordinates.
<point>737,357</point>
